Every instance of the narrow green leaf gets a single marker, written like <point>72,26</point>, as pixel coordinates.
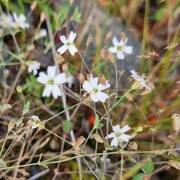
<point>67,126</point>
<point>2,163</point>
<point>139,176</point>
<point>44,165</point>
<point>148,166</point>
<point>16,56</point>
<point>132,160</point>
<point>26,108</point>
<point>96,122</point>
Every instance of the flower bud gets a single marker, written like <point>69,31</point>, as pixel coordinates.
<point>89,40</point>
<point>43,17</point>
<point>59,58</point>
<point>108,35</point>
<point>123,36</point>
<point>103,54</point>
<point>110,56</point>
<point>81,78</point>
<point>65,67</point>
<point>133,145</point>
<point>33,5</point>
<point>176,122</point>
<point>102,79</point>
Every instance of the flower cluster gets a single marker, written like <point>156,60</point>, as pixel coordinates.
<point>119,135</point>
<point>140,79</point>
<point>120,48</point>
<point>94,89</point>
<point>6,21</point>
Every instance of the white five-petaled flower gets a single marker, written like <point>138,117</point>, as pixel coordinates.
<point>33,66</point>
<point>51,82</point>
<point>120,48</point>
<point>94,89</point>
<point>119,135</point>
<point>140,79</point>
<point>6,21</point>
<point>20,21</point>
<point>68,44</point>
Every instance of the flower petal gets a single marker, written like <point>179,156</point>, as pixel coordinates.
<point>102,96</point>
<point>72,36</point>
<point>115,41</point>
<point>116,128</point>
<point>63,39</point>
<point>56,91</point>
<point>47,91</point>
<point>101,87</point>
<point>94,97</point>
<point>125,129</point>
<point>62,49</point>
<point>72,49</point>
<point>51,71</point>
<point>86,86</point>
<point>114,142</point>
<point>60,78</point>
<point>125,137</point>
<point>43,79</point>
<point>128,49</point>
<point>112,135</point>
<point>93,82</point>
<point>120,55</point>
<point>113,49</point>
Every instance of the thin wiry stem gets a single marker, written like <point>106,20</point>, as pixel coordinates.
<point>63,93</point>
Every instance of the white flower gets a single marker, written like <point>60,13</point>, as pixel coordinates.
<point>35,122</point>
<point>118,135</point>
<point>94,89</point>
<point>33,66</point>
<point>51,82</point>
<point>20,21</point>
<point>68,44</point>
<point>120,48</point>
<point>140,79</point>
<point>6,21</point>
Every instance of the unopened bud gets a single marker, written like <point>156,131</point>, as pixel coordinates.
<point>108,35</point>
<point>102,79</point>
<point>65,67</point>
<point>103,54</point>
<point>123,37</point>
<point>33,5</point>
<point>133,145</point>
<point>70,2</point>
<point>129,96</point>
<point>11,125</point>
<point>176,122</point>
<point>19,89</point>
<point>81,78</point>
<point>110,56</point>
<point>89,40</point>
<point>30,47</point>
<point>43,17</point>
<point>59,58</point>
